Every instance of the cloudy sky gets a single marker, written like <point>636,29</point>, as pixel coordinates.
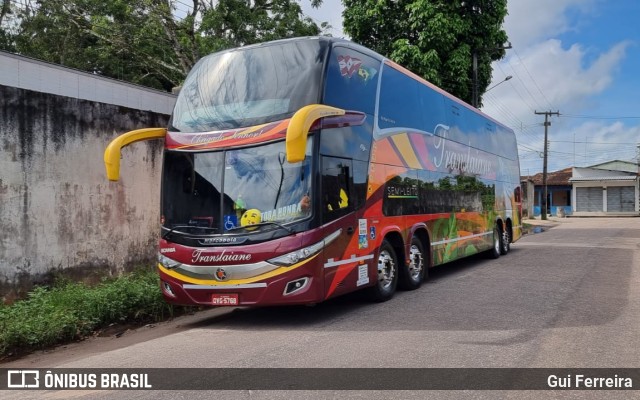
<point>578,57</point>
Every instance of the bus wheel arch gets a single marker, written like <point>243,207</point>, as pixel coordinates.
<point>416,268</point>
<point>390,255</point>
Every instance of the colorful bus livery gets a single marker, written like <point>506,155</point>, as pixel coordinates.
<point>299,170</point>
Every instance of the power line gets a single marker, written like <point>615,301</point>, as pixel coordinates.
<point>596,117</point>
<point>529,148</point>
<point>525,86</point>
<point>515,88</point>
<point>492,99</point>
<point>530,76</point>
<point>598,143</point>
<point>189,6</point>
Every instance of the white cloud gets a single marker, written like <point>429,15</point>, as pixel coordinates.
<point>581,145</point>
<point>547,75</point>
<point>549,78</point>
<point>586,144</point>
<point>602,141</point>
<point>529,22</point>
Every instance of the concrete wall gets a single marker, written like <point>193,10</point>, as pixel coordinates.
<point>58,212</point>
<point>528,196</point>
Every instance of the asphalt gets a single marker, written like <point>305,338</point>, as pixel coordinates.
<point>549,222</point>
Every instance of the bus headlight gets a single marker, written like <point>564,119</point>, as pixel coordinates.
<point>302,254</point>
<point>167,262</point>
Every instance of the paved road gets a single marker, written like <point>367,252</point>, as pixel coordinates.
<point>566,297</point>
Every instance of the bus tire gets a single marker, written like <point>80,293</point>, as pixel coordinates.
<point>412,274</point>
<point>497,243</point>
<point>505,244</point>
<point>387,276</point>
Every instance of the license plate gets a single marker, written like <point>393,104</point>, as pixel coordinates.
<point>225,299</point>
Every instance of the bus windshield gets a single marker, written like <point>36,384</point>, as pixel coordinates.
<point>229,191</point>
<point>246,87</point>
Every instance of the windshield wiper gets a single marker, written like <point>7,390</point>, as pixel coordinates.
<point>265,223</point>
<point>170,231</point>
<point>173,228</point>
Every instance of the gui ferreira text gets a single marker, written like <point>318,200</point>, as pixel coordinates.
<point>579,381</point>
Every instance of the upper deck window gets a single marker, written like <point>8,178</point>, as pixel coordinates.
<point>247,87</point>
<point>352,80</point>
<point>400,101</point>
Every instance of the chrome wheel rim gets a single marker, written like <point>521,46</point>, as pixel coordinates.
<point>416,262</point>
<point>496,240</point>
<point>386,269</point>
<point>505,240</point>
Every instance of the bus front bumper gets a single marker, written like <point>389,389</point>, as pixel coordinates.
<point>298,287</point>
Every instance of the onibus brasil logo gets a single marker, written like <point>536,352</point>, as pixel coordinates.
<point>32,379</point>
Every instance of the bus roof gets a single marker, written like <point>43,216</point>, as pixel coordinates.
<point>347,43</point>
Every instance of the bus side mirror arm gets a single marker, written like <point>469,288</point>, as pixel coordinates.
<point>112,152</point>
<point>299,125</point>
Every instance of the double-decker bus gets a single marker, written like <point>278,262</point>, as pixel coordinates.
<point>299,170</point>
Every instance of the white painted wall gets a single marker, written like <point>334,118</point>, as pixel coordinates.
<point>27,73</point>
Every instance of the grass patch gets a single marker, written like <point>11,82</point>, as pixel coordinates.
<point>70,311</point>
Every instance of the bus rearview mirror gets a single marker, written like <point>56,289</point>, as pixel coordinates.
<point>112,152</point>
<point>298,129</point>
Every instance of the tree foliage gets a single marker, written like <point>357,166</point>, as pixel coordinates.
<point>435,39</point>
<point>6,22</point>
<point>149,42</point>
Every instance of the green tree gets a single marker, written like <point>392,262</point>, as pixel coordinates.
<point>436,39</point>
<point>233,23</point>
<point>150,42</point>
<point>5,9</point>
<point>6,24</point>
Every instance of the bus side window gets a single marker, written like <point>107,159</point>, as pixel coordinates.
<point>336,187</point>
<point>516,194</point>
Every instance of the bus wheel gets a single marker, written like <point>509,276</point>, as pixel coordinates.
<point>387,280</point>
<point>412,275</point>
<point>496,249</point>
<point>505,246</point>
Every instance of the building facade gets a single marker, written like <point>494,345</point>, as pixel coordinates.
<point>606,189</point>
<point>558,192</point>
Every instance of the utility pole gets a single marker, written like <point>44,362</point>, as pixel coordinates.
<point>543,205</point>
<point>474,78</point>
<point>475,10</point>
